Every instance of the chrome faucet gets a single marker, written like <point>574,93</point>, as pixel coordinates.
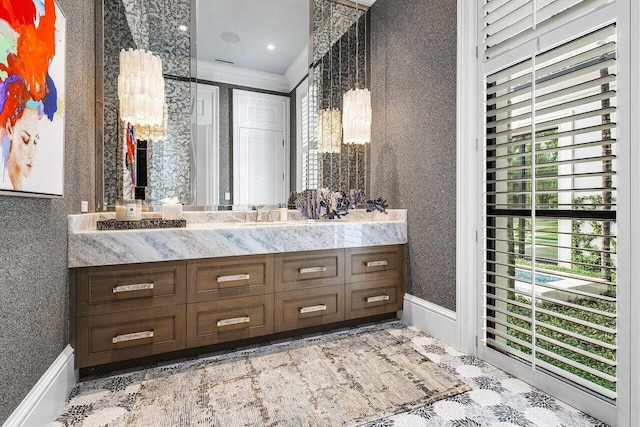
<point>258,209</point>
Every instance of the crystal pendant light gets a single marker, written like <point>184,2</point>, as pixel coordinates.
<point>356,116</point>
<point>356,106</point>
<point>141,86</point>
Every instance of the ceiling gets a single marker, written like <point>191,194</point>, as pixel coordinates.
<point>258,23</point>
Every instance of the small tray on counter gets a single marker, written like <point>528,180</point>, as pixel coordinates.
<point>147,223</point>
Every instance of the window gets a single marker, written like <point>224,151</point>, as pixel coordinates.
<point>307,117</point>
<point>550,211</point>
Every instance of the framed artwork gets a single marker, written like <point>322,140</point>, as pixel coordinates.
<point>32,98</point>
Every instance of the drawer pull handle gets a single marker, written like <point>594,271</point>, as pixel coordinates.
<point>233,278</point>
<point>132,337</point>
<point>313,308</point>
<point>378,298</point>
<point>312,270</point>
<point>131,288</point>
<point>377,263</point>
<point>234,321</point>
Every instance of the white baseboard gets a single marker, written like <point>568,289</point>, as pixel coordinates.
<point>43,403</point>
<point>431,319</point>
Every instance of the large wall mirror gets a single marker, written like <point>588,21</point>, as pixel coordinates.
<point>247,86</point>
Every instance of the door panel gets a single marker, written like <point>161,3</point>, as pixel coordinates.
<point>260,155</point>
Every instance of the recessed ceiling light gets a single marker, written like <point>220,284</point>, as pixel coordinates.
<point>271,47</point>
<point>182,27</point>
<point>230,37</point>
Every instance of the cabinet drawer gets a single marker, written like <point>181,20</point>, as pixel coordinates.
<point>230,319</point>
<point>212,279</point>
<point>110,289</point>
<point>304,270</point>
<point>113,337</point>
<point>312,307</point>
<point>371,298</point>
<point>365,264</point>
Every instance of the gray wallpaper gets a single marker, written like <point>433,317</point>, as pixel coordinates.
<point>156,28</point>
<point>413,149</point>
<point>33,232</point>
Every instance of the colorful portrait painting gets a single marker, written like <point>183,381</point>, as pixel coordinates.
<point>32,73</point>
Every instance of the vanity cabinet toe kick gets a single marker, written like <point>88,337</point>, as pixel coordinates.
<point>129,312</point>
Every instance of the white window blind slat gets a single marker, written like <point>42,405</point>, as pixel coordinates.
<point>504,10</point>
<point>549,15</point>
<point>524,12</point>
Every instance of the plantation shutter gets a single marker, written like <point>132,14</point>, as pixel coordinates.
<point>550,207</point>
<point>509,23</point>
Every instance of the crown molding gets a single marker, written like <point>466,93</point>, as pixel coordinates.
<point>230,74</point>
<point>299,69</point>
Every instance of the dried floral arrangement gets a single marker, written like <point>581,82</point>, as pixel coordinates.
<point>325,204</point>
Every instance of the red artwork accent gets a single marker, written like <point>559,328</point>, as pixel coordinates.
<point>130,160</point>
<point>35,49</point>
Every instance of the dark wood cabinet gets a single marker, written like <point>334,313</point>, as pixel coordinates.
<point>132,311</point>
<point>304,270</point>
<point>214,322</point>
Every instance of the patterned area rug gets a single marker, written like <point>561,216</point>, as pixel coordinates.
<point>330,380</point>
<point>496,399</point>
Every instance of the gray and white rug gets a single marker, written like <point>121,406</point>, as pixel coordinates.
<point>347,377</point>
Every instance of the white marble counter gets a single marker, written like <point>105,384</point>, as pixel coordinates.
<point>219,234</point>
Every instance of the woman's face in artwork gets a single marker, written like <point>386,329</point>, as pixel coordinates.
<point>24,139</point>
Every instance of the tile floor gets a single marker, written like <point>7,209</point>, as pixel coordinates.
<point>497,399</point>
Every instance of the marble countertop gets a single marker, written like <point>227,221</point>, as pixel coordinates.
<point>219,234</point>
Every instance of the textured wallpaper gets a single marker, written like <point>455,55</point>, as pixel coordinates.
<point>156,28</point>
<point>33,232</point>
<point>413,148</point>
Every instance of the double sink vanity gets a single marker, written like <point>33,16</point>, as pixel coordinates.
<point>140,293</point>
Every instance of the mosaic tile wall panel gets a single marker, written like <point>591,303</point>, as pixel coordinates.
<point>127,26</point>
<point>330,21</point>
<point>337,71</point>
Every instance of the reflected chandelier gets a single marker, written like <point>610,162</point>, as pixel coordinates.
<point>329,131</point>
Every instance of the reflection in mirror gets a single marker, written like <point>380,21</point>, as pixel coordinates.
<point>253,55</point>
<point>161,27</point>
<point>243,109</point>
<point>340,41</point>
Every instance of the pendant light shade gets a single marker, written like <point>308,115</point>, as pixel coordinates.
<point>141,88</point>
<point>356,116</point>
<point>329,131</point>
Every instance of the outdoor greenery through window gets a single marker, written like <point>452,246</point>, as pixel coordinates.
<point>550,209</point>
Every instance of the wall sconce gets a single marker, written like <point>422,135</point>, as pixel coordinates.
<point>141,88</point>
<point>329,131</point>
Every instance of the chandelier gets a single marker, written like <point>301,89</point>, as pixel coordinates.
<point>356,105</point>
<point>141,88</point>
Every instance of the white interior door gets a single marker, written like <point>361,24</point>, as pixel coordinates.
<point>260,148</point>
<point>261,172</point>
<point>205,145</point>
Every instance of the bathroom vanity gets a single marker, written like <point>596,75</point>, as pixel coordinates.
<point>138,293</point>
